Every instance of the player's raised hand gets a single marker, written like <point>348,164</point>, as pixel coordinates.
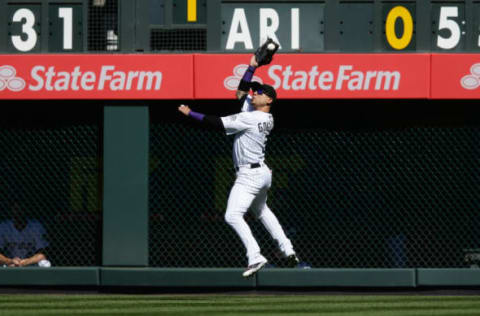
<point>185,109</point>
<point>253,61</point>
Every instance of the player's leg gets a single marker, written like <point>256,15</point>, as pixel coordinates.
<point>239,201</point>
<point>271,223</point>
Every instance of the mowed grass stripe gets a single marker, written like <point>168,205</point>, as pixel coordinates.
<point>232,297</point>
<point>237,305</point>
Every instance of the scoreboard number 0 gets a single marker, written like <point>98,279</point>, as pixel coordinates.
<point>402,13</point>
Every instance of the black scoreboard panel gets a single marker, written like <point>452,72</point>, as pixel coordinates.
<point>448,26</point>
<point>398,25</point>
<point>24,23</point>
<point>42,26</point>
<point>310,26</point>
<point>295,27</point>
<point>388,25</point>
<point>355,26</point>
<point>189,11</point>
<point>65,28</point>
<point>475,12</point>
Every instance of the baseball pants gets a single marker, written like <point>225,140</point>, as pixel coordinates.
<point>250,191</point>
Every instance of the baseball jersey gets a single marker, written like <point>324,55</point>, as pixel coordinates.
<point>251,129</point>
<point>24,243</point>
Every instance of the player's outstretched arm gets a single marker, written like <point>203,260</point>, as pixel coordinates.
<point>213,121</point>
<point>246,81</point>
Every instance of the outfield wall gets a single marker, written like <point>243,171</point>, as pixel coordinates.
<point>231,278</point>
<point>151,237</point>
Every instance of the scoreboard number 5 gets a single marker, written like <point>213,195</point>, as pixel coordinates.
<point>446,22</point>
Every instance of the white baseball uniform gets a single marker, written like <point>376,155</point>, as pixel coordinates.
<point>24,243</point>
<point>251,129</point>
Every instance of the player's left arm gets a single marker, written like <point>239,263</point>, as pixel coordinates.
<point>210,120</point>
<point>246,81</point>
<point>231,124</point>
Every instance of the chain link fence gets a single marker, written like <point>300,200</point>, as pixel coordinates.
<point>357,198</point>
<point>103,27</point>
<point>50,176</point>
<point>381,197</point>
<point>103,33</point>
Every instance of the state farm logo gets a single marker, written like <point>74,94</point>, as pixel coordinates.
<point>345,77</point>
<point>232,82</point>
<point>471,81</point>
<point>106,77</point>
<point>9,81</point>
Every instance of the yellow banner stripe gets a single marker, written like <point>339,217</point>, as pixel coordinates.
<point>191,10</point>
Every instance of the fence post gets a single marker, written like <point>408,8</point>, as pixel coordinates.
<point>125,201</point>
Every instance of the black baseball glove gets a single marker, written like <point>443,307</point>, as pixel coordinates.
<point>264,55</point>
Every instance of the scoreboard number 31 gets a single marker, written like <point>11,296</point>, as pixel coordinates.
<point>65,28</point>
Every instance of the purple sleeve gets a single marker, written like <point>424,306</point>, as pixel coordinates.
<point>247,76</point>
<point>245,83</point>
<point>197,116</point>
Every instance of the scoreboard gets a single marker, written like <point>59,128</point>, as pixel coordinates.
<point>63,26</point>
<point>387,49</point>
<point>33,27</point>
<point>364,26</point>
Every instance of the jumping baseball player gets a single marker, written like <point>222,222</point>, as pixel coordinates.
<point>251,128</point>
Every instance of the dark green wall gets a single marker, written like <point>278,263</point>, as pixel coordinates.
<point>125,201</point>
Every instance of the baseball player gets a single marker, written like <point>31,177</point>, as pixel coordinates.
<point>251,128</point>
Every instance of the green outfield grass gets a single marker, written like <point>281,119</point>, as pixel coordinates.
<point>244,305</point>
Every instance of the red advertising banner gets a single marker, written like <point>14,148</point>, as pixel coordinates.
<point>455,76</point>
<point>96,76</point>
<point>216,76</point>
<point>319,76</point>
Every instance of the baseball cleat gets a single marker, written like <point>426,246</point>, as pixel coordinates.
<point>251,270</point>
<point>292,261</point>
